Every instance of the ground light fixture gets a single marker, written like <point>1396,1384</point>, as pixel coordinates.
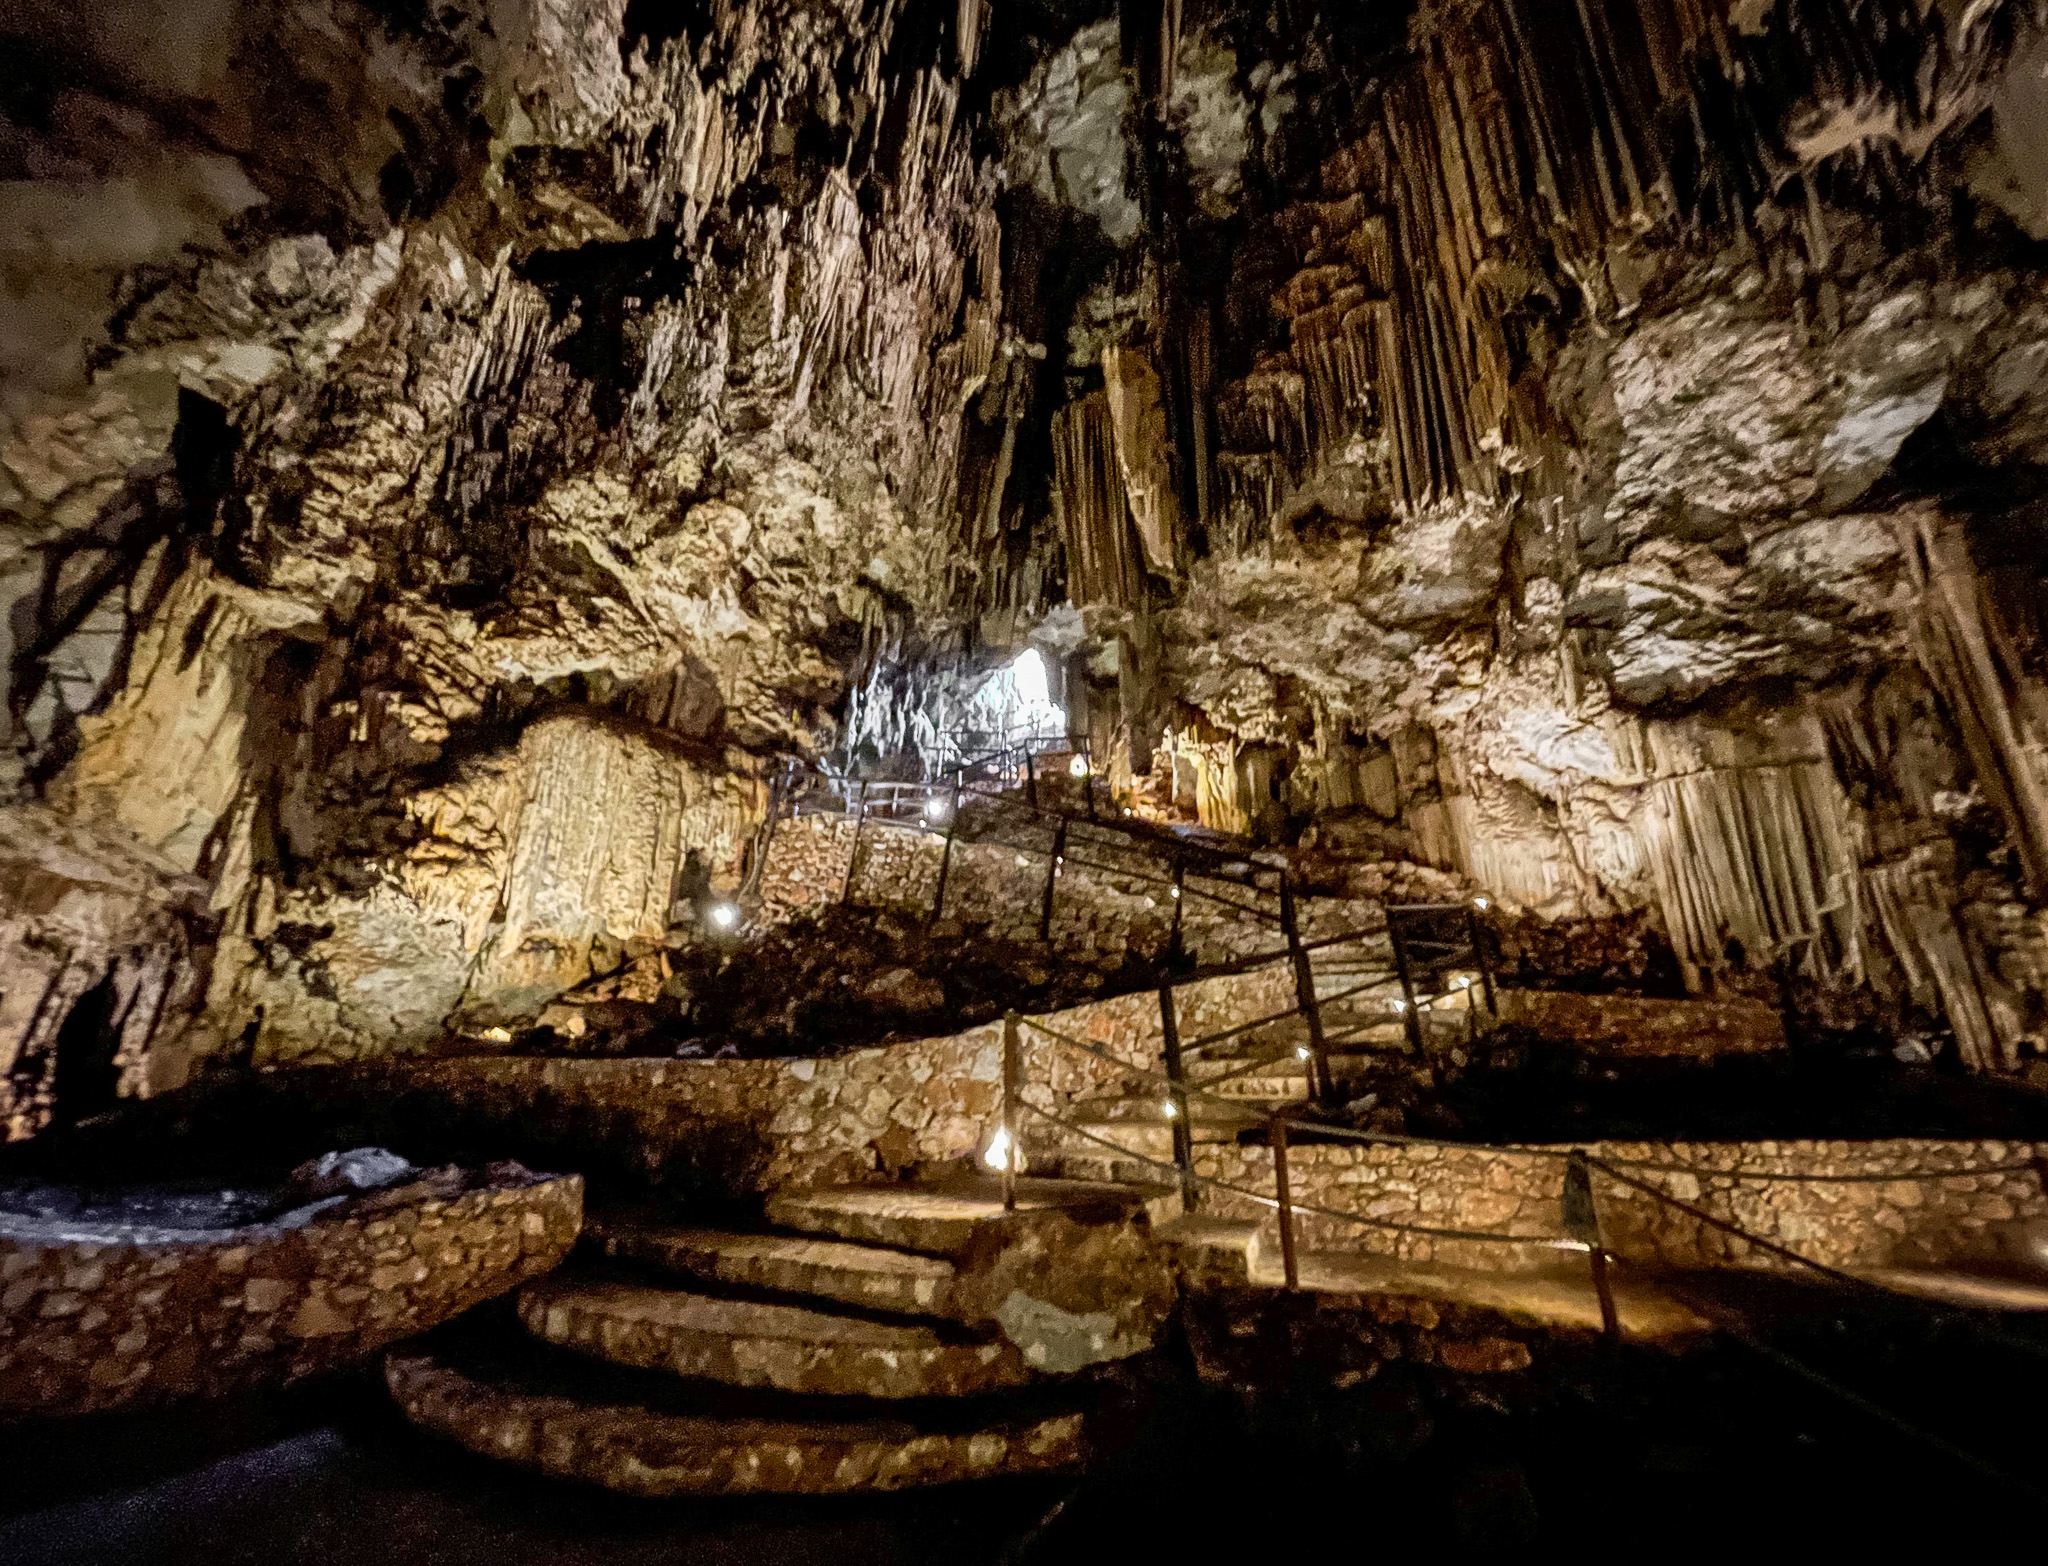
<point>1078,766</point>
<point>724,916</point>
<point>935,809</point>
<point>999,1154</point>
<point>1482,903</point>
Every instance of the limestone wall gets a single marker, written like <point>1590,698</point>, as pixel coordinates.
<point>752,1125</point>
<point>86,1325</point>
<point>1932,1203</point>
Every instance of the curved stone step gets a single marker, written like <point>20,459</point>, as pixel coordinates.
<point>640,1448</point>
<point>943,1220</point>
<point>868,1276</point>
<point>745,1343</point>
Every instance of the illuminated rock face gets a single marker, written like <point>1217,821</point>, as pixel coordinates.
<point>448,462</point>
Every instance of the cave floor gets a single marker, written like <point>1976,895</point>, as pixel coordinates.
<point>1605,1449</point>
<point>336,1478</point>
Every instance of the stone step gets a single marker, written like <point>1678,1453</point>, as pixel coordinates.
<point>639,1440</point>
<point>945,1220</point>
<point>1263,1087</point>
<point>869,1277</point>
<point>747,1343</point>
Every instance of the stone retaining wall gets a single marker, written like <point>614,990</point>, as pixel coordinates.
<point>1935,1207</point>
<point>748,1126</point>
<point>91,1325</point>
<point>1101,909</point>
<point>1638,1028</point>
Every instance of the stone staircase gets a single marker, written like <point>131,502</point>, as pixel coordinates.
<point>867,1338</point>
<point>1239,1085</point>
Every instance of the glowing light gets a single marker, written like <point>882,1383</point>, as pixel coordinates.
<point>1400,1005</point>
<point>936,809</point>
<point>1172,1109</point>
<point>1000,1153</point>
<point>1462,982</point>
<point>1022,862</point>
<point>1482,903</point>
<point>1078,766</point>
<point>1176,891</point>
<point>724,916</point>
<point>1303,1052</point>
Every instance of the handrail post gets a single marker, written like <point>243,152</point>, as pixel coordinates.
<point>1473,929</point>
<point>860,821</point>
<point>1276,1136</point>
<point>1030,779</point>
<point>1052,876</point>
<point>946,855</point>
<point>1322,1081</point>
<point>1180,900</point>
<point>1409,1013</point>
<point>1582,1223</point>
<point>1088,781</point>
<point>1013,1073</point>
<point>1177,1105</point>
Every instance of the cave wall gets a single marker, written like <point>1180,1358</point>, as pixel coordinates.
<point>448,460</point>
<point>1608,452</point>
<point>457,451</point>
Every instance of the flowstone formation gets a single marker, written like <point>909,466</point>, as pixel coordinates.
<point>453,461</point>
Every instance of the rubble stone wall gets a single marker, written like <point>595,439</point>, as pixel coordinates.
<point>749,1126</point>
<point>87,1326</point>
<point>1631,1026</point>
<point>1895,1203</point>
<point>1109,901</point>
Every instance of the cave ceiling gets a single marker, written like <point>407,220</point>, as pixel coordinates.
<point>1622,429</point>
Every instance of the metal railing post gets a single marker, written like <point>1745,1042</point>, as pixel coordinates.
<point>1013,1073</point>
<point>1323,1082</point>
<point>1485,963</point>
<point>946,855</point>
<point>860,821</point>
<point>1582,1223</point>
<point>1177,1105</point>
<point>1030,779</point>
<point>1052,877</point>
<point>1410,1014</point>
<point>1180,901</point>
<point>1276,1136</point>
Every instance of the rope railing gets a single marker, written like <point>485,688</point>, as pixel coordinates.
<point>1181,1093</point>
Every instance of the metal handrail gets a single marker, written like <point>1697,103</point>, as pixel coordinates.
<point>1548,1242</point>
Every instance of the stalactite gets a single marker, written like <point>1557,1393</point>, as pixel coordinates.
<point>1529,135</point>
<point>2001,710</point>
<point>1137,420</point>
<point>1911,901</point>
<point>1764,857</point>
<point>1104,562</point>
